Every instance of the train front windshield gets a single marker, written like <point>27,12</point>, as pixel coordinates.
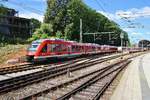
<point>33,47</point>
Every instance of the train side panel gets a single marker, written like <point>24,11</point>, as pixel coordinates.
<point>48,48</point>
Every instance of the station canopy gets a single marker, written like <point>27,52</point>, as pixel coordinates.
<point>144,43</point>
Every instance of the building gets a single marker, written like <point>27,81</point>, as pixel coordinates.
<point>13,26</point>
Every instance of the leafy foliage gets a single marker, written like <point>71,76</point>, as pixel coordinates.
<point>46,28</point>
<point>59,34</point>
<point>45,31</point>
<point>35,24</point>
<point>5,40</point>
<point>62,19</point>
<point>3,10</point>
<point>68,31</point>
<point>56,14</point>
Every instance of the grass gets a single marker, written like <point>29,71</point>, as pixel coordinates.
<point>8,51</point>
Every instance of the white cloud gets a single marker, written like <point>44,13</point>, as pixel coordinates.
<point>135,33</point>
<point>134,13</point>
<point>128,29</point>
<point>147,33</point>
<point>131,14</point>
<point>32,15</point>
<point>111,16</point>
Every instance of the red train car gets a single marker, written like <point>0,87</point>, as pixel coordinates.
<point>44,49</point>
<point>129,49</point>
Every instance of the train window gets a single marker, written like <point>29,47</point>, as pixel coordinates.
<point>80,48</point>
<point>44,49</point>
<point>53,48</point>
<point>33,47</point>
<point>58,47</point>
<point>64,48</point>
<point>77,48</point>
<point>73,48</point>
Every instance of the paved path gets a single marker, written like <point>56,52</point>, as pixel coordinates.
<point>135,83</point>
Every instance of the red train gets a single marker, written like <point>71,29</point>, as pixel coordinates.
<point>129,49</point>
<point>44,49</point>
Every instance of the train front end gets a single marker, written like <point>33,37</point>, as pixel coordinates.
<point>32,50</point>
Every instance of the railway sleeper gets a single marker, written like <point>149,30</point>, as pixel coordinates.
<point>79,97</point>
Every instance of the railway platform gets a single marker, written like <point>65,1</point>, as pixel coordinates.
<point>135,82</point>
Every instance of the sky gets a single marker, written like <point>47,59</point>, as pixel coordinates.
<point>133,16</point>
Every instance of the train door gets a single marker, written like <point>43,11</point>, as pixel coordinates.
<point>52,49</point>
<point>64,49</point>
<point>44,50</point>
<point>69,50</point>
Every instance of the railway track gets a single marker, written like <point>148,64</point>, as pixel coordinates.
<point>30,66</point>
<point>42,93</point>
<point>50,73</point>
<point>96,84</point>
<point>19,68</point>
<point>15,68</point>
<point>21,81</point>
<point>81,87</point>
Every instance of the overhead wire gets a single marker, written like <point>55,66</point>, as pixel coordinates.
<point>25,7</point>
<point>137,14</point>
<point>103,9</point>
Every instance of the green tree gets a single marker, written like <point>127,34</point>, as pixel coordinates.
<point>64,16</point>
<point>35,24</point>
<point>59,35</point>
<point>3,10</point>
<point>56,14</point>
<point>47,28</point>
<point>68,31</point>
<point>45,31</point>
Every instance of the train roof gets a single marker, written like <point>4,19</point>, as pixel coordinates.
<point>72,42</point>
<point>37,41</point>
<point>108,46</point>
<point>53,39</point>
<point>41,40</point>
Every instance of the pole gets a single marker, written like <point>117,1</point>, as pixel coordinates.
<point>80,30</point>
<point>94,38</point>
<point>142,45</point>
<point>121,43</point>
<point>121,36</point>
<point>109,38</point>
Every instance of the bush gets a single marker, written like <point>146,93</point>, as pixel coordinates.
<point>44,36</point>
<point>35,36</point>
<point>4,40</point>
<point>43,32</point>
<point>38,31</point>
<point>46,28</point>
<point>59,34</point>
